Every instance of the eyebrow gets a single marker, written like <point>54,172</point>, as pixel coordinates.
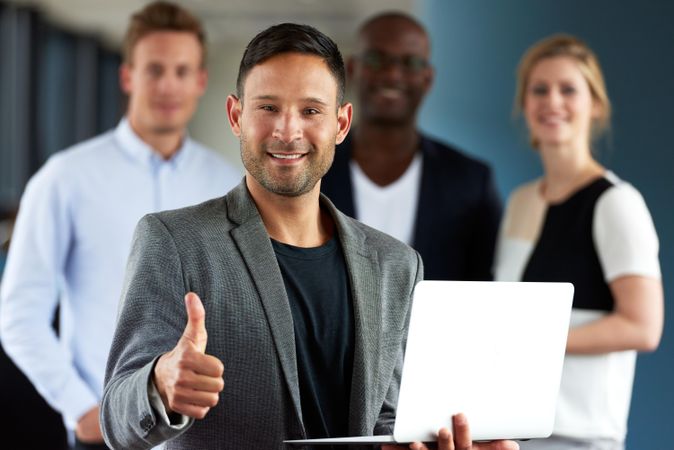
<point>305,99</point>
<point>545,80</point>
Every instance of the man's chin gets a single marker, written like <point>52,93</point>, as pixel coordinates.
<point>392,114</point>
<point>389,120</point>
<point>289,194</point>
<point>290,191</point>
<point>168,128</point>
<point>287,189</point>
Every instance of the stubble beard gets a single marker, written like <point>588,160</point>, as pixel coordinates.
<point>282,180</point>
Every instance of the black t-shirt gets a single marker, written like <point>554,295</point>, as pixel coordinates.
<point>320,301</point>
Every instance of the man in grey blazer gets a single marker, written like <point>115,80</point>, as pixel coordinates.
<point>300,301</point>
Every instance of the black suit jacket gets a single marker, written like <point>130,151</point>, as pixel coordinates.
<point>458,212</point>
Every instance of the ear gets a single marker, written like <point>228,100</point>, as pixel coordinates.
<point>125,78</point>
<point>234,107</point>
<point>344,116</point>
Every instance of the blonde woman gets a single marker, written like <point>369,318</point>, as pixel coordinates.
<point>580,223</point>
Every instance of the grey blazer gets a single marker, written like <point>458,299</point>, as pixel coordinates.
<point>221,250</point>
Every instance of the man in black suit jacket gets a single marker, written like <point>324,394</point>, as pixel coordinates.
<point>453,216</point>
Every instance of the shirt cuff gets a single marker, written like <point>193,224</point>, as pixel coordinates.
<point>180,421</point>
<point>74,400</point>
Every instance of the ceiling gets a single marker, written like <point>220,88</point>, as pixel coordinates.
<point>225,20</point>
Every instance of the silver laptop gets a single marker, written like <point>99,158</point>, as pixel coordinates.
<point>492,350</point>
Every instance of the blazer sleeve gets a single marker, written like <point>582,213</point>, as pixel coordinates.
<point>387,415</point>
<point>151,320</point>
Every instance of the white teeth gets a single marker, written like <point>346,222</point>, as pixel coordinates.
<point>389,92</point>
<point>552,120</point>
<point>286,156</point>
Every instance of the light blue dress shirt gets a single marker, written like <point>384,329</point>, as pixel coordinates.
<point>69,247</point>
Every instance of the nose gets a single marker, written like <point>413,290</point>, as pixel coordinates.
<point>555,97</point>
<point>287,128</point>
<point>392,71</point>
<point>167,83</point>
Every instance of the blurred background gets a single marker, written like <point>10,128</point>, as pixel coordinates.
<point>58,86</point>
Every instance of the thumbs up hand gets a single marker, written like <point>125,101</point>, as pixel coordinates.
<point>187,379</point>
<point>195,330</point>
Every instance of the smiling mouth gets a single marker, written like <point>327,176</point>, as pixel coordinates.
<point>287,156</point>
<point>391,93</point>
<point>552,120</point>
<point>167,108</point>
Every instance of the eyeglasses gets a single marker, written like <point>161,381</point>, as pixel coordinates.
<point>376,61</point>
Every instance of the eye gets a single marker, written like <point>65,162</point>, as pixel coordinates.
<point>539,90</point>
<point>568,90</point>
<point>373,60</point>
<point>414,63</point>
<point>311,111</point>
<point>182,71</point>
<point>155,70</point>
<point>268,108</point>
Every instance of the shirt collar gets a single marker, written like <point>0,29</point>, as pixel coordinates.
<point>131,144</point>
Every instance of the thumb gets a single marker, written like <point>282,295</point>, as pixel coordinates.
<point>195,330</point>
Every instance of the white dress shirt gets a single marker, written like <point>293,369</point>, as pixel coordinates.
<point>391,209</point>
<point>69,248</point>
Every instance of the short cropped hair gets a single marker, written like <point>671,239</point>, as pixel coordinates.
<point>292,38</point>
<point>162,16</point>
<point>393,15</point>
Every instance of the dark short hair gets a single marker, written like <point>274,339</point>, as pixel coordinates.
<point>292,38</point>
<point>162,16</point>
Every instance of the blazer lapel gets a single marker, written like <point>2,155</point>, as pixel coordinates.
<point>255,246</point>
<point>426,208</point>
<point>364,276</point>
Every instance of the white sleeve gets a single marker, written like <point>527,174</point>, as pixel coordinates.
<point>156,402</point>
<point>31,286</point>
<point>624,234</point>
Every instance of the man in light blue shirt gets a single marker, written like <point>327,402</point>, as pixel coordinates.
<point>78,213</point>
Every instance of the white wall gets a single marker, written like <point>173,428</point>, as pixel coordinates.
<point>210,125</point>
